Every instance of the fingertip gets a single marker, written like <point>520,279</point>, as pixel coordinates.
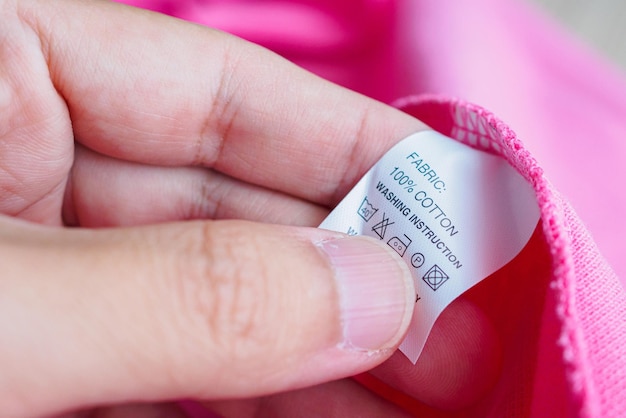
<point>375,291</point>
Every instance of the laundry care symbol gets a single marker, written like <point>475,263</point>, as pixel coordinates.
<point>418,260</point>
<point>366,210</point>
<point>400,245</point>
<point>381,227</point>
<point>435,277</point>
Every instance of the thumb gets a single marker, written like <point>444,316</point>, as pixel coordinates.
<point>211,310</point>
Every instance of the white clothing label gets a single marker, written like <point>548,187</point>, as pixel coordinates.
<point>453,213</point>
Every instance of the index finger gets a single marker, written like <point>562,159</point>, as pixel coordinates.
<point>149,88</point>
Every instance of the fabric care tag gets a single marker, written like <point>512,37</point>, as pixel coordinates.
<point>453,213</point>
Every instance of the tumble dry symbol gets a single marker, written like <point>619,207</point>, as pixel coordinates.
<point>435,277</point>
<point>366,210</point>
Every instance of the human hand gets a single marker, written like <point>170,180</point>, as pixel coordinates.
<point>114,117</point>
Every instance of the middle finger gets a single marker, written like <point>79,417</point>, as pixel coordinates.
<point>104,191</point>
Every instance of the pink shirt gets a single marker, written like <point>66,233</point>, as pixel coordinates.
<point>563,326</point>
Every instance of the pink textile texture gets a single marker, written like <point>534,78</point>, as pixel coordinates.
<point>563,320</point>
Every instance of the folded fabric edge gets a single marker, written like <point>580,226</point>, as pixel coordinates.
<point>479,128</point>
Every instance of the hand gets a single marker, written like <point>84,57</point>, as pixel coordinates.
<point>115,117</point>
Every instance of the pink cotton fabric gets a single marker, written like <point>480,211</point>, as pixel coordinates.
<point>560,309</point>
<point>566,355</point>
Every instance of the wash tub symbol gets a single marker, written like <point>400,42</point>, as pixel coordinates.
<point>366,210</point>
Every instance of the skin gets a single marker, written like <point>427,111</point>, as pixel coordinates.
<point>143,178</point>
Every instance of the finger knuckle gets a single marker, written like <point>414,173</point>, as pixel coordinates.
<point>222,293</point>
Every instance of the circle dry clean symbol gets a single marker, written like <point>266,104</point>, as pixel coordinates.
<point>418,260</point>
<point>435,277</point>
